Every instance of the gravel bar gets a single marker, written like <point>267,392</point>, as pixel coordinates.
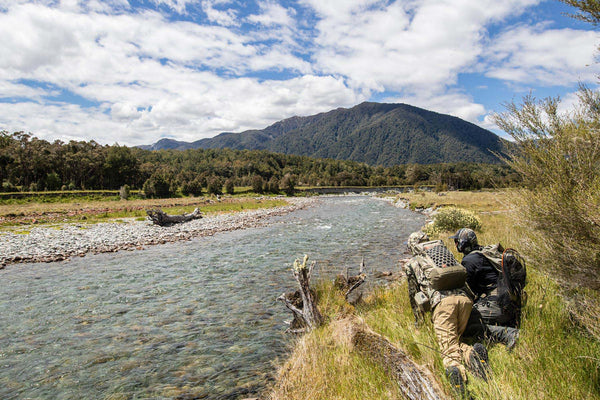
<point>57,243</point>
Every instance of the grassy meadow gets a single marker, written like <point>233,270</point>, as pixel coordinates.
<point>74,209</point>
<point>555,358</point>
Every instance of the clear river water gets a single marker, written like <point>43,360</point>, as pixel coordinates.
<point>184,320</point>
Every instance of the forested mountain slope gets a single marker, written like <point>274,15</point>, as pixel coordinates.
<point>374,133</point>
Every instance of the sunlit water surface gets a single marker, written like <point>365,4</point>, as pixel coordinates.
<point>184,320</point>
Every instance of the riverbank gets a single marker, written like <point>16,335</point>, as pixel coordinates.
<point>551,346</point>
<point>57,242</point>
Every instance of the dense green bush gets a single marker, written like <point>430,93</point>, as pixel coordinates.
<point>229,186</point>
<point>272,186</point>
<point>192,187</point>
<point>53,181</point>
<point>257,184</point>
<point>157,186</point>
<point>214,185</point>
<point>452,219</point>
<point>288,184</point>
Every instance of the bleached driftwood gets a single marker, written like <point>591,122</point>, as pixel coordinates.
<point>348,283</point>
<point>159,217</point>
<point>302,303</point>
<point>415,382</point>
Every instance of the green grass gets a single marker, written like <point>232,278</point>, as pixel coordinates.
<point>84,211</point>
<point>68,196</point>
<point>208,209</point>
<point>555,358</point>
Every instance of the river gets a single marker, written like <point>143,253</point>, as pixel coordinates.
<point>182,320</point>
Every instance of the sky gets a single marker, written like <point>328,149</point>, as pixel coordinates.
<point>135,71</point>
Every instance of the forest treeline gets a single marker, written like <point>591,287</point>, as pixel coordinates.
<point>31,164</point>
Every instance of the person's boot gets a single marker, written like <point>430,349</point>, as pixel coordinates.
<point>503,334</point>
<point>478,361</point>
<point>456,380</point>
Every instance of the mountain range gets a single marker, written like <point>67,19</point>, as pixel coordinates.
<point>373,133</point>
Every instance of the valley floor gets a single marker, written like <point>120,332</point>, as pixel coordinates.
<point>56,242</point>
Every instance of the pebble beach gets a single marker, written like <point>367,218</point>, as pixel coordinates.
<point>60,242</point>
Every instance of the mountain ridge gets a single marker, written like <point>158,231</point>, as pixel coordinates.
<point>375,133</point>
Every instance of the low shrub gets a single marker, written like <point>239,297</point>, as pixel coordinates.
<point>451,219</point>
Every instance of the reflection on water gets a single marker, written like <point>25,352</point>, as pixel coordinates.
<point>193,319</point>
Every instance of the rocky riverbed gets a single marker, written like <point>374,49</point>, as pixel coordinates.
<point>60,242</point>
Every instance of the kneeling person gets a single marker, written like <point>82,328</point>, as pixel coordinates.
<point>489,317</point>
<point>449,302</point>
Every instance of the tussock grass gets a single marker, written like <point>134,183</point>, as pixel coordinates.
<point>555,358</point>
<point>323,367</point>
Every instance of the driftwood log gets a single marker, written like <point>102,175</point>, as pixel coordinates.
<point>159,217</point>
<point>415,382</point>
<point>349,284</point>
<point>303,302</point>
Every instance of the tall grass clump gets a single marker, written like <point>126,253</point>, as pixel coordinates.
<point>451,219</point>
<point>558,156</point>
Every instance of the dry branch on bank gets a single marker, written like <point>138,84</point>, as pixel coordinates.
<point>415,382</point>
<point>349,284</point>
<point>303,302</point>
<point>159,217</point>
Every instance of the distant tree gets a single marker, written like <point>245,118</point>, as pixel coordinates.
<point>53,181</point>
<point>288,184</point>
<point>33,187</point>
<point>415,173</point>
<point>273,185</point>
<point>215,185</point>
<point>121,166</point>
<point>257,184</point>
<point>8,187</point>
<point>192,187</point>
<point>157,185</point>
<point>229,187</point>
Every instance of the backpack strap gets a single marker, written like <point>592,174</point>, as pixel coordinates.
<point>494,253</point>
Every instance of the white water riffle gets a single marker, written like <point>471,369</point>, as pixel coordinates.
<point>195,319</point>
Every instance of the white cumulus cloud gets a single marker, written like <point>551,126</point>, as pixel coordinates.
<point>220,65</point>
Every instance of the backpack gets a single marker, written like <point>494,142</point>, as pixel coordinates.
<point>512,278</point>
<point>445,272</point>
<point>437,264</point>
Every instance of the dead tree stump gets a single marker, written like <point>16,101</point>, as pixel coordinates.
<point>159,217</point>
<point>349,284</point>
<point>302,303</point>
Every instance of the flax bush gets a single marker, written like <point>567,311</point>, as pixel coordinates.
<point>452,219</point>
<point>558,156</point>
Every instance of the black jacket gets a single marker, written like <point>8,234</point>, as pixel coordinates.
<point>482,276</point>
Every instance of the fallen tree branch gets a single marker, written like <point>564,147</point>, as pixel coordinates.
<point>415,382</point>
<point>159,217</point>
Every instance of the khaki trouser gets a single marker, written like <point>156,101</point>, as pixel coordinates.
<point>450,318</point>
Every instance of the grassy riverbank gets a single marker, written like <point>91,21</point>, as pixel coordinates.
<point>92,211</point>
<point>555,358</point>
